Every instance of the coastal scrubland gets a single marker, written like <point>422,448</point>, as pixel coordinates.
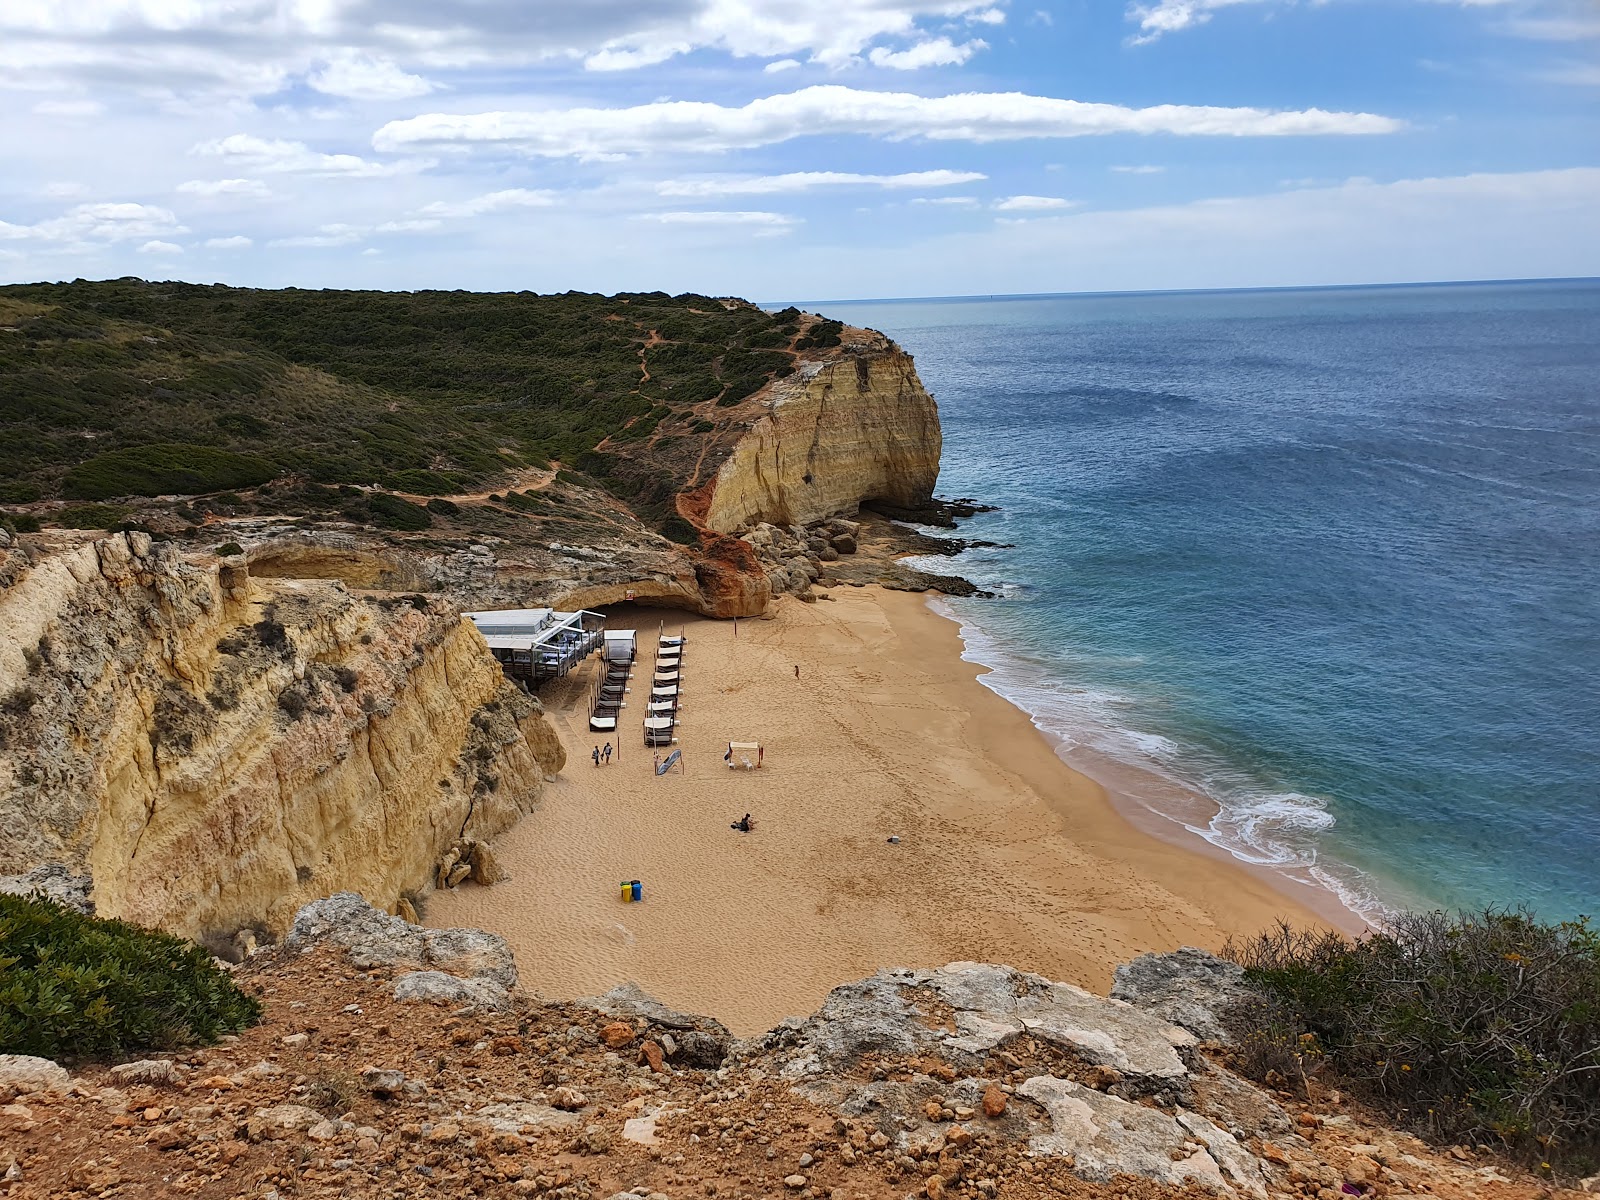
<point>127,388</point>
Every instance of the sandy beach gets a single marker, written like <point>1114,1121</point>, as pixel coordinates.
<point>1005,854</point>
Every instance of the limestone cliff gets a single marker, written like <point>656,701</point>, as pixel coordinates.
<point>216,750</point>
<point>855,427</point>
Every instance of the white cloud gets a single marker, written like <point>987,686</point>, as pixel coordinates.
<point>159,247</point>
<point>279,155</point>
<point>987,16</point>
<point>1480,226</point>
<point>99,222</point>
<point>832,35</point>
<point>952,201</point>
<point>802,181</point>
<point>1579,74</point>
<point>762,223</point>
<point>782,64</point>
<point>413,225</point>
<point>719,218</point>
<point>501,201</point>
<point>938,52</point>
<point>69,108</point>
<point>358,76</point>
<point>1033,204</point>
<point>237,242</point>
<point>665,125</point>
<point>1171,16</point>
<point>1145,169</point>
<point>337,234</point>
<point>252,189</point>
<point>1574,25</point>
<point>64,190</point>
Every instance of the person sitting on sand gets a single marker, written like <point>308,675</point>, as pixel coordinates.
<point>742,824</point>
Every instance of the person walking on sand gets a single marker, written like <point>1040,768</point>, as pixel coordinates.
<point>658,762</point>
<point>606,753</point>
<point>797,670</point>
<point>596,756</point>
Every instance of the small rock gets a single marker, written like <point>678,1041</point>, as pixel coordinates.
<point>154,1071</point>
<point>16,1118</point>
<point>934,1187</point>
<point>296,1041</point>
<point>879,1140</point>
<point>595,1140</point>
<point>806,1160</point>
<point>651,1054</point>
<point>21,1074</point>
<point>795,1182</point>
<point>323,1131</point>
<point>994,1101</point>
<point>1102,1077</point>
<point>617,1034</point>
<point>568,1099</point>
<point>381,1082</point>
<point>281,1120</point>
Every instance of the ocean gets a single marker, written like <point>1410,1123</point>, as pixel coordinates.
<point>1311,574</point>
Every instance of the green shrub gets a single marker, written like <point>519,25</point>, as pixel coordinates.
<point>229,549</point>
<point>14,492</point>
<point>676,529</point>
<point>391,512</point>
<point>75,987</point>
<point>1477,1027</point>
<point>164,469</point>
<point>439,506</point>
<point>20,522</point>
<point>822,336</point>
<point>703,427</point>
<point>90,516</point>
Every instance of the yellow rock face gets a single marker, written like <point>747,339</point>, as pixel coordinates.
<point>217,751</point>
<point>856,428</point>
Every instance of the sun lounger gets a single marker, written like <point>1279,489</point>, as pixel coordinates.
<point>663,693</point>
<point>603,724</point>
<point>666,677</point>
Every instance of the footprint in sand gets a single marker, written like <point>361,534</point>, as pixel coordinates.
<point>624,935</point>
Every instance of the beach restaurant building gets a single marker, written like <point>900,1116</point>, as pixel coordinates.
<point>534,645</point>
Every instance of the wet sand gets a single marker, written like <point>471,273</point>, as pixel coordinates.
<point>1005,853</point>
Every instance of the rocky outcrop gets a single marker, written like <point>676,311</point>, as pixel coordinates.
<point>1189,987</point>
<point>215,750</point>
<point>451,966</point>
<point>837,433</point>
<point>1110,1087</point>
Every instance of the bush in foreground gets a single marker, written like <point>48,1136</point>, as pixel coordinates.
<point>1475,1027</point>
<point>73,986</point>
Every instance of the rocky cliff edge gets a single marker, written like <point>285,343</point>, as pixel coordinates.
<point>398,1061</point>
<point>213,750</point>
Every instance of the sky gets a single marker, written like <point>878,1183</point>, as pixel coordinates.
<point>853,149</point>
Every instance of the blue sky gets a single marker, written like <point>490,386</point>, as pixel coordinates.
<point>766,149</point>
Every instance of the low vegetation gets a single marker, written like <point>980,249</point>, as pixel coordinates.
<point>75,987</point>
<point>1477,1027</point>
<point>123,388</point>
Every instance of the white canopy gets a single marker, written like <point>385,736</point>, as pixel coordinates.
<point>658,722</point>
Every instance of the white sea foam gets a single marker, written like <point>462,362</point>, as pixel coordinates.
<point>1281,830</point>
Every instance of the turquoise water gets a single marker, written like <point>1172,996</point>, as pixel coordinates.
<point>1329,559</point>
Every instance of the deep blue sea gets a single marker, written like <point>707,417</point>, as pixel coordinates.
<point>1312,573</point>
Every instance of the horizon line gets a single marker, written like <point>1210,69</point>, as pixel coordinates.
<point>1196,291</point>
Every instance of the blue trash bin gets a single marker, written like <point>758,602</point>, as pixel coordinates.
<point>638,891</point>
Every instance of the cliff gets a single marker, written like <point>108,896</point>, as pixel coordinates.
<point>215,750</point>
<point>837,433</point>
